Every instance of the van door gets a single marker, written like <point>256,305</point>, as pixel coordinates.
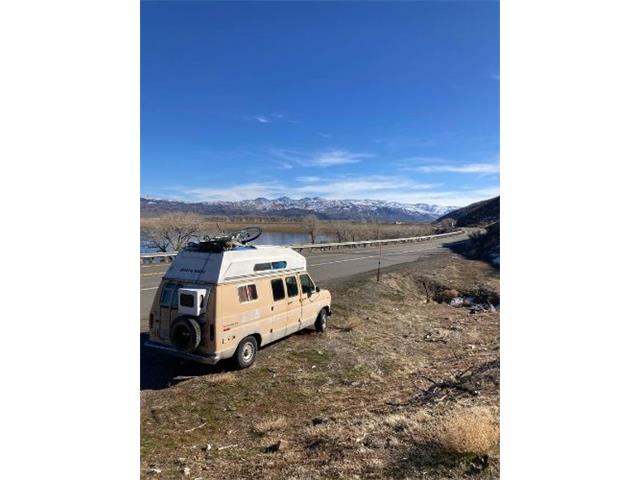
<point>278,309</point>
<point>168,308</point>
<point>308,300</point>
<point>294,305</point>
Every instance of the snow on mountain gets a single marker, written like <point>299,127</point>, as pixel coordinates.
<point>288,207</point>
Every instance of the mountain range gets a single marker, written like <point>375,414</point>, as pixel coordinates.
<point>290,208</point>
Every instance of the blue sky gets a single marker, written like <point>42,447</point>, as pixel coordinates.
<point>391,101</point>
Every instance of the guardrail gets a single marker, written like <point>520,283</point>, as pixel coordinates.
<point>365,243</point>
<point>163,257</point>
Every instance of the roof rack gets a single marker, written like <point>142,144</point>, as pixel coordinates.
<point>226,241</point>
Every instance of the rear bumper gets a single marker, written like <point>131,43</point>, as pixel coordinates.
<point>194,357</point>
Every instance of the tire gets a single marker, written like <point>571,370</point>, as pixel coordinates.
<point>246,353</point>
<point>185,334</point>
<point>321,321</point>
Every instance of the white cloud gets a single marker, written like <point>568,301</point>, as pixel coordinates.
<point>337,157</point>
<point>390,188</point>
<point>308,179</point>
<point>465,168</point>
<point>358,187</point>
<point>235,192</point>
<point>457,198</point>
<point>326,158</point>
<point>270,118</point>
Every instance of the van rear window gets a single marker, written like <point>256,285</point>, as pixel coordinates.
<point>247,293</point>
<point>169,296</point>
<point>186,300</point>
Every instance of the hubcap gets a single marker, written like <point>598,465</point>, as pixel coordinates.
<point>247,351</point>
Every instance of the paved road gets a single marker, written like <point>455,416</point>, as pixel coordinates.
<point>322,266</point>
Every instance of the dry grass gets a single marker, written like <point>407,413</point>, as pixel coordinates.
<point>222,378</point>
<point>269,425</point>
<point>474,430</point>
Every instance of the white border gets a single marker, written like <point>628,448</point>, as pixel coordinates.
<point>70,187</point>
<point>569,262</point>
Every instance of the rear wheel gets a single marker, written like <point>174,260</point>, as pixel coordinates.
<point>321,321</point>
<point>246,352</point>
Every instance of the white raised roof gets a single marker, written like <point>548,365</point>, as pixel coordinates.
<point>235,264</point>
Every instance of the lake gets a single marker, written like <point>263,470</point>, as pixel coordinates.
<point>267,238</point>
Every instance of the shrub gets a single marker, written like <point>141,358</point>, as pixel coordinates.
<point>469,431</point>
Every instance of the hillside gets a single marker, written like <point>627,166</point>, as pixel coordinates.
<point>477,214</point>
<point>290,208</point>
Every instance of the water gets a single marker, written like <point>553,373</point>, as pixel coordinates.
<point>267,238</point>
<point>285,238</point>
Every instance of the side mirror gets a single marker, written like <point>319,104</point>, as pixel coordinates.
<point>317,289</point>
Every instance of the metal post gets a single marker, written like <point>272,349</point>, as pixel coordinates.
<point>379,261</point>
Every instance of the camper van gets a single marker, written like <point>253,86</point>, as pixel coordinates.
<point>219,301</point>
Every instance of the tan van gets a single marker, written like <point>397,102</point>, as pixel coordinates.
<point>228,303</point>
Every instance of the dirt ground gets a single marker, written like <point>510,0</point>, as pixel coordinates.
<point>402,385</point>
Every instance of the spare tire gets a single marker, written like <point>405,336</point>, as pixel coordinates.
<point>185,334</point>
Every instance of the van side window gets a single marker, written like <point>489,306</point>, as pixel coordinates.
<point>247,293</point>
<point>292,286</point>
<point>307,284</point>
<point>263,267</point>
<point>277,287</point>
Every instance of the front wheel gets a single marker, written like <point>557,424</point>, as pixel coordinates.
<point>246,352</point>
<point>321,321</point>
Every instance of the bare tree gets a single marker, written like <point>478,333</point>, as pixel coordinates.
<point>312,226</point>
<point>174,230</point>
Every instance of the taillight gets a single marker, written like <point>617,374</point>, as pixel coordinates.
<point>150,321</point>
